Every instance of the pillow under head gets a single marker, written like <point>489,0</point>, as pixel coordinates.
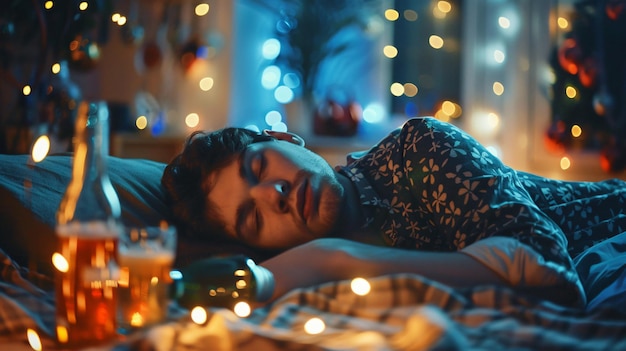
<point>30,194</point>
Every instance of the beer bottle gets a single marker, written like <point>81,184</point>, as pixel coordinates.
<point>88,228</point>
<point>221,281</point>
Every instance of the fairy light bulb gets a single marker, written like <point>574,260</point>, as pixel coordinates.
<point>314,326</point>
<point>60,262</point>
<point>41,147</point>
<point>360,286</point>
<point>33,339</point>
<point>242,309</point>
<point>199,315</point>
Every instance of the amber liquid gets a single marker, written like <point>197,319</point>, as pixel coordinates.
<point>86,288</point>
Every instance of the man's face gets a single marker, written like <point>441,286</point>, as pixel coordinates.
<point>277,195</point>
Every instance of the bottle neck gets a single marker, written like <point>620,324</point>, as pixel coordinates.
<point>90,194</point>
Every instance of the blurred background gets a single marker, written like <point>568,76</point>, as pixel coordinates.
<point>541,83</point>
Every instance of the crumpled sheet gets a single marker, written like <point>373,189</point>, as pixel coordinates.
<point>402,312</point>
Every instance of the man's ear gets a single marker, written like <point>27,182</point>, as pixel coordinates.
<point>286,136</point>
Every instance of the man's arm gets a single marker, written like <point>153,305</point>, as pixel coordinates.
<point>331,259</point>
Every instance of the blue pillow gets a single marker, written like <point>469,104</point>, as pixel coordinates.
<point>602,270</point>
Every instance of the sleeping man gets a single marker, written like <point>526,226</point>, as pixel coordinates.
<point>427,199</point>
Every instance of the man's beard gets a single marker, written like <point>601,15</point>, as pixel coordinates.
<point>330,209</point>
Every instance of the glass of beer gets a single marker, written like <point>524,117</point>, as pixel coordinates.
<point>145,259</point>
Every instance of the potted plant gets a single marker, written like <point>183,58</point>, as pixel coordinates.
<point>314,33</point>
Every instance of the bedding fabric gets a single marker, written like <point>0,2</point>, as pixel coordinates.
<point>401,312</point>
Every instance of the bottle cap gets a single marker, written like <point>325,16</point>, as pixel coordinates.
<point>264,281</point>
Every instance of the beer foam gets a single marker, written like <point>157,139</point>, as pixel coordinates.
<point>146,262</point>
<point>93,229</point>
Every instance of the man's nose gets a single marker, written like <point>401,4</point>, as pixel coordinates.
<point>272,193</point>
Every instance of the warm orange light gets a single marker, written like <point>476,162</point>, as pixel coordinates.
<point>62,336</point>
<point>60,262</point>
<point>41,147</point>
<point>33,339</point>
<point>314,326</point>
<point>360,286</point>
<point>199,315</point>
<point>136,320</point>
<point>242,309</point>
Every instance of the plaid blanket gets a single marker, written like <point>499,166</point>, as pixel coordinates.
<point>401,312</point>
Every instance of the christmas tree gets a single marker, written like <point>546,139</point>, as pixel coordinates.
<point>589,89</point>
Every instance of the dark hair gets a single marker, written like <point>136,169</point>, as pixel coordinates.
<point>184,179</point>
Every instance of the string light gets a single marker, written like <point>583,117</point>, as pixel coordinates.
<point>41,147</point>
<point>60,262</point>
<point>83,6</point>
<point>26,90</point>
<point>504,22</point>
<point>33,339</point>
<point>206,83</point>
<point>565,163</point>
<point>192,120</point>
<point>199,315</point>
<point>390,51</point>
<point>570,92</point>
<point>391,15</point>
<point>360,286</point>
<point>410,15</point>
<point>498,56</point>
<point>576,131</point>
<point>498,88</point>
<point>141,122</point>
<point>435,41</point>
<point>242,309</point>
<point>397,89</point>
<point>48,5</point>
<point>410,89</point>
<point>444,6</point>
<point>314,326</point>
<point>202,9</point>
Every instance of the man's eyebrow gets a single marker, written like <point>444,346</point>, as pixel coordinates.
<point>243,212</point>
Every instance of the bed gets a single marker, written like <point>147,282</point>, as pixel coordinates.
<point>401,312</point>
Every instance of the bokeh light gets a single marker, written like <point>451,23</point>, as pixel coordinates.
<point>56,68</point>
<point>392,15</point>
<point>390,51</point>
<point>271,49</point>
<point>41,147</point>
<point>565,163</point>
<point>33,339</point>
<point>141,122</point>
<point>242,309</point>
<point>270,78</point>
<point>283,94</point>
<point>498,88</point>
<point>360,286</point>
<point>60,263</point>
<point>202,9</point>
<point>314,326</point>
<point>206,83</point>
<point>435,41</point>
<point>192,120</point>
<point>199,315</point>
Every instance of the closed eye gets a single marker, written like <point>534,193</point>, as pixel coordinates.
<point>253,166</point>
